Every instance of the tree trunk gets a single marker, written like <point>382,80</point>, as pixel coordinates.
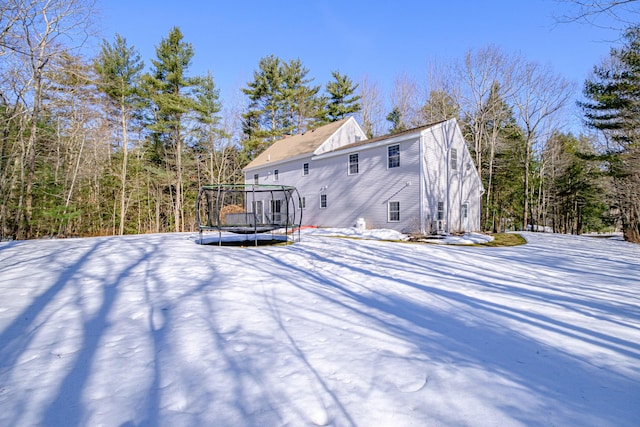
<point>123,174</point>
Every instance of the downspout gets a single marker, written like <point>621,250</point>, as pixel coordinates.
<point>421,177</point>
<point>447,177</point>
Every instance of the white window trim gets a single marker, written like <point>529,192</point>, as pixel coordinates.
<point>389,211</point>
<point>453,161</point>
<point>325,201</point>
<point>440,212</point>
<point>303,169</point>
<point>389,157</point>
<point>349,164</point>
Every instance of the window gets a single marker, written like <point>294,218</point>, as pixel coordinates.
<point>255,179</point>
<point>440,211</point>
<point>302,202</point>
<point>393,156</point>
<point>454,159</point>
<point>353,164</point>
<point>323,201</point>
<point>275,174</point>
<point>394,211</point>
<point>305,169</point>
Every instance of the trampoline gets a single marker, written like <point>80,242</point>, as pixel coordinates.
<point>249,210</point>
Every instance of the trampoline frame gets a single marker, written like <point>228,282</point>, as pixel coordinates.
<point>249,222</point>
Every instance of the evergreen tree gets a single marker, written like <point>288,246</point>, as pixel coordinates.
<point>397,121</point>
<point>281,102</point>
<point>299,98</point>
<point>173,106</point>
<point>440,106</point>
<point>265,95</point>
<point>208,131</point>
<point>504,207</point>
<point>613,107</point>
<point>341,101</point>
<point>119,68</point>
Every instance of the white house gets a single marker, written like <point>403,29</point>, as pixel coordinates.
<point>418,181</point>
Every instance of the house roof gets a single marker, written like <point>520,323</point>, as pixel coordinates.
<point>308,142</point>
<point>296,145</point>
<point>388,136</point>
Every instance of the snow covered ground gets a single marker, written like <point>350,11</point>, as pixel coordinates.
<point>155,330</point>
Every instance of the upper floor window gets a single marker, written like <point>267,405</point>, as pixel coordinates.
<point>255,178</point>
<point>305,169</point>
<point>353,164</point>
<point>454,159</point>
<point>394,211</point>
<point>393,156</point>
<point>275,174</point>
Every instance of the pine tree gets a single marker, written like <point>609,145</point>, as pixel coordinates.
<point>118,67</point>
<point>281,102</point>
<point>575,192</point>
<point>341,101</point>
<point>173,104</point>
<point>613,107</point>
<point>396,120</point>
<point>208,131</point>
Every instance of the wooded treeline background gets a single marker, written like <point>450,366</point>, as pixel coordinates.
<point>104,145</point>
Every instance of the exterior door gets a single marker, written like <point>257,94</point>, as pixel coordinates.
<point>258,211</point>
<point>465,217</point>
<point>276,211</point>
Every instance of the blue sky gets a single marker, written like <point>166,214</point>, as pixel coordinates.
<point>378,39</point>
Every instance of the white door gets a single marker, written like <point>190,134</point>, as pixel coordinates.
<point>465,217</point>
<point>258,211</point>
<point>276,210</point>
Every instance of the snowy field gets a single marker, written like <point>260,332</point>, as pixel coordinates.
<point>155,330</point>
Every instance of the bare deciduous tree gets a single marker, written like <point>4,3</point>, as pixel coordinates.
<point>371,112</point>
<point>404,99</point>
<point>38,35</point>
<point>601,13</point>
<point>541,95</point>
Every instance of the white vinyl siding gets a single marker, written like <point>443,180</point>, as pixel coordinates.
<point>367,194</point>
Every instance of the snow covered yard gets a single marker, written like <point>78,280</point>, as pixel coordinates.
<point>155,330</point>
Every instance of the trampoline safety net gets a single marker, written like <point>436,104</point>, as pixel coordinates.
<point>248,209</point>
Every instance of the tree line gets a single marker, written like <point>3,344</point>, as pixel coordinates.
<point>102,145</point>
